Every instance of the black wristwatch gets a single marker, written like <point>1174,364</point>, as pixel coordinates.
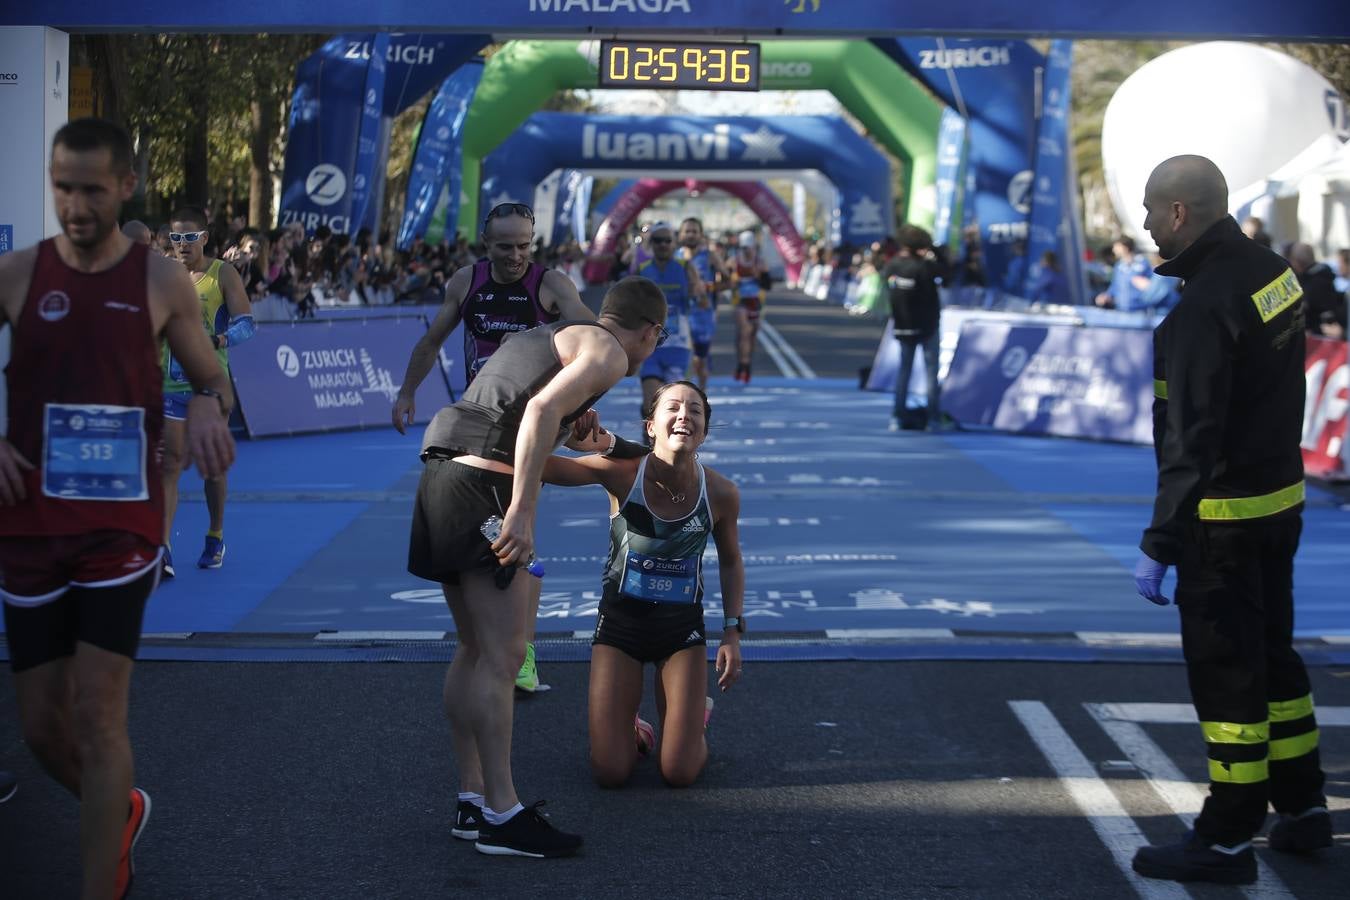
<point>736,622</point>
<point>208,392</point>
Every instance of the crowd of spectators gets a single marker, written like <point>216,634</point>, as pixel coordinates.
<point>289,274</point>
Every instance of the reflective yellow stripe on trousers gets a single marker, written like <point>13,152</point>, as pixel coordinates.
<point>1232,509</point>
<point>1237,733</point>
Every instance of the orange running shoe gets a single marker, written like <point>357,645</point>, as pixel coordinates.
<point>137,816</point>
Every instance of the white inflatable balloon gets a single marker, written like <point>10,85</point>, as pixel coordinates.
<point>1248,108</point>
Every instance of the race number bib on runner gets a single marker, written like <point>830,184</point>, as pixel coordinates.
<point>94,452</point>
<point>660,580</point>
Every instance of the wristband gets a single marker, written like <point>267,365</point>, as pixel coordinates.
<point>613,440</point>
<point>208,392</point>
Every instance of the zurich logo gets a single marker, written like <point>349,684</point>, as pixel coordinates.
<point>1013,362</point>
<point>1019,191</point>
<point>443,133</point>
<point>326,184</point>
<point>76,422</point>
<point>288,361</point>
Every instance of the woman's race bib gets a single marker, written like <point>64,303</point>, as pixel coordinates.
<point>660,580</point>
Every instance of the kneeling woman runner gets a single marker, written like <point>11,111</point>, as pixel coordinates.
<point>663,506</point>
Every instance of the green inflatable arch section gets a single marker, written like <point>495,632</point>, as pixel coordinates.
<point>892,106</point>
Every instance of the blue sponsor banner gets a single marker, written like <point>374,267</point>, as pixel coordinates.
<point>368,138</point>
<point>322,376</point>
<point>1059,380</point>
<point>332,119</point>
<point>322,139</point>
<point>564,218</point>
<point>606,203</point>
<point>993,84</point>
<point>436,164</point>
<point>749,144</point>
<point>1306,20</point>
<point>1054,222</point>
<point>950,150</point>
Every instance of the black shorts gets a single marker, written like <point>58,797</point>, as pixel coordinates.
<point>453,501</point>
<point>649,632</point>
<point>108,617</point>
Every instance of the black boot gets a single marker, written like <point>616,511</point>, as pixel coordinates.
<point>1194,859</point>
<point>1307,832</point>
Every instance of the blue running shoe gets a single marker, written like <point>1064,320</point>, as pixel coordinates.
<point>213,554</point>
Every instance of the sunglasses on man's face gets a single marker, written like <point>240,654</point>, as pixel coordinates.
<point>190,237</point>
<point>509,209</point>
<point>659,240</point>
<point>662,335</point>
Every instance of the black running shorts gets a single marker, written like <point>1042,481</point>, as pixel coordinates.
<point>649,632</point>
<point>453,501</point>
<point>107,616</point>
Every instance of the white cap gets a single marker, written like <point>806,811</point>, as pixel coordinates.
<point>659,225</point>
<point>747,237</point>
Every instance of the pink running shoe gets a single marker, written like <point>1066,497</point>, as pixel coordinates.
<point>645,736</point>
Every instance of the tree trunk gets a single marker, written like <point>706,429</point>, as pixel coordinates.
<point>262,132</point>
<point>196,152</point>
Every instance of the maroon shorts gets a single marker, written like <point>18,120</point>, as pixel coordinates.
<point>59,591</point>
<point>37,570</point>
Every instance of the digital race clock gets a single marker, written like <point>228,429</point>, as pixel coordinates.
<point>679,64</point>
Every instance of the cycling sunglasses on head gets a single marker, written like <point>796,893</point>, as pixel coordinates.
<point>190,237</point>
<point>509,209</point>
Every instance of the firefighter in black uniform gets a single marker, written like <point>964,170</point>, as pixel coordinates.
<point>1228,417</point>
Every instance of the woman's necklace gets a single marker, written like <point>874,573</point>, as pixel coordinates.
<point>674,497</point>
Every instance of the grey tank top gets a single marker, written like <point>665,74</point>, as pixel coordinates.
<point>653,559</point>
<point>485,421</point>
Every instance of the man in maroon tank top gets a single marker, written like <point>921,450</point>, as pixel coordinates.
<point>81,501</point>
<point>495,297</point>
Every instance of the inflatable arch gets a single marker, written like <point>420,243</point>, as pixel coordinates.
<point>727,148</point>
<point>645,191</point>
<point>892,107</point>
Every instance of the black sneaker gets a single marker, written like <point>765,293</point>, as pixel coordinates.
<point>1304,833</point>
<point>527,833</point>
<point>1192,859</point>
<point>468,819</point>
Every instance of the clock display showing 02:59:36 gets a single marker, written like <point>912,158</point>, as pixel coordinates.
<point>678,64</point>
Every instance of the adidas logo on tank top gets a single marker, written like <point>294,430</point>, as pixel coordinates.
<point>694,524</point>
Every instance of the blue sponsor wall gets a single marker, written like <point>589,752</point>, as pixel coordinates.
<point>1054,380</point>
<point>331,374</point>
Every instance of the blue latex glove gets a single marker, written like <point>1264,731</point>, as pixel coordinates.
<point>1148,577</point>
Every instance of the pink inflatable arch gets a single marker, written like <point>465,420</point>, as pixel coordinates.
<point>762,201</point>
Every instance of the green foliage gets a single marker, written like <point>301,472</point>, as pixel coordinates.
<point>180,86</point>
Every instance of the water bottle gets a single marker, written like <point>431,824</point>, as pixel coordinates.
<point>492,529</point>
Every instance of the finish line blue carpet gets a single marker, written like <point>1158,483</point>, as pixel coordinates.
<point>844,526</point>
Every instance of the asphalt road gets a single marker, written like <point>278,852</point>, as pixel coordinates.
<point>904,779</point>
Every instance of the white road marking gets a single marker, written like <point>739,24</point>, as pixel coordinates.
<point>866,634</point>
<point>1184,713</point>
<point>1176,790</point>
<point>380,636</point>
<point>1133,638</point>
<point>1113,825</point>
<point>768,331</point>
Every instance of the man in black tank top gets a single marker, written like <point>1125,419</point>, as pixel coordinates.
<point>485,457</point>
<point>501,295</point>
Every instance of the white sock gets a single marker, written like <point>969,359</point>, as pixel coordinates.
<point>501,818</point>
<point>476,799</point>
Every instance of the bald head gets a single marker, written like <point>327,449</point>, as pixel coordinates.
<point>1184,196</point>
<point>138,231</point>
